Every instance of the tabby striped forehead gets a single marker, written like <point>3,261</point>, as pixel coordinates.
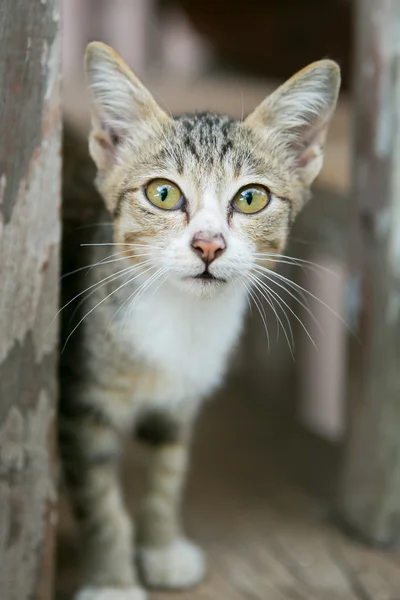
<point>206,136</point>
<point>205,144</point>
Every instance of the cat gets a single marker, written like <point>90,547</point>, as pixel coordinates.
<point>188,210</point>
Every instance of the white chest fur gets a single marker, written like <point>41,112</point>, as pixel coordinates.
<point>186,340</point>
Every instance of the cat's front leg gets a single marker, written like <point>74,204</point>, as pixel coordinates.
<point>90,448</point>
<point>166,558</point>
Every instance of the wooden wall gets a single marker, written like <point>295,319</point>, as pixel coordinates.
<point>30,57</point>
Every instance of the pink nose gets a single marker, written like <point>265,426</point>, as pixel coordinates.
<point>208,246</point>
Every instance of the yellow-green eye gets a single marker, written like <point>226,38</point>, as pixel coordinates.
<point>164,194</point>
<point>251,199</point>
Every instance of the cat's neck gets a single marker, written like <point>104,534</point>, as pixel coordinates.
<point>190,338</point>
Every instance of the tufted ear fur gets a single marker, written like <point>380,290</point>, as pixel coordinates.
<point>296,116</point>
<point>120,104</point>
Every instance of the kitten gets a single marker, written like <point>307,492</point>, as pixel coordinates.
<point>193,205</point>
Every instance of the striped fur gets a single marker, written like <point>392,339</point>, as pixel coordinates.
<point>148,341</point>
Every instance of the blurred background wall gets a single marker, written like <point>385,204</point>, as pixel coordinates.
<point>267,39</point>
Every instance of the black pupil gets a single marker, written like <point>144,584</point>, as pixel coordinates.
<point>248,196</point>
<point>163,193</point>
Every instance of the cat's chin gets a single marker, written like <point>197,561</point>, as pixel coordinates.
<point>201,287</point>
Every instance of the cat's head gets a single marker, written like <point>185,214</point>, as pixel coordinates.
<point>203,197</point>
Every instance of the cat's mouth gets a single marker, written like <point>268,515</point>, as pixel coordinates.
<point>207,276</point>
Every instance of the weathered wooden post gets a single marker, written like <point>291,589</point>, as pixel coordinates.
<point>30,126</point>
<point>370,490</point>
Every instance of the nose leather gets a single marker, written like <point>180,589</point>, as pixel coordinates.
<point>208,246</point>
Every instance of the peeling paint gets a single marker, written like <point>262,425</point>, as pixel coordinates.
<point>394,232</point>
<point>29,243</point>
<point>24,84</point>
<point>28,47</point>
<point>53,66</point>
<point>3,183</point>
<point>384,128</point>
<point>56,14</point>
<point>24,249</point>
<point>25,501</point>
<point>32,230</point>
<point>45,331</point>
<point>45,52</point>
<point>11,449</point>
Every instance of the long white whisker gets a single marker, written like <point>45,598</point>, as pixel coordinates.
<point>150,247</point>
<point>135,291</point>
<point>129,298</point>
<point>93,225</point>
<point>306,308</point>
<point>104,261</point>
<point>104,280</point>
<point>270,301</point>
<point>246,289</point>
<point>262,314</point>
<point>285,262</point>
<point>291,283</point>
<point>119,273</point>
<point>133,269</point>
<point>299,287</point>
<point>99,303</point>
<point>161,282</point>
<point>293,260</point>
<point>248,277</point>
<point>290,342</point>
<point>141,255</point>
<point>293,313</point>
<point>139,291</point>
<point>154,277</point>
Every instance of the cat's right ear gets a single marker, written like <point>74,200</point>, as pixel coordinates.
<point>120,104</point>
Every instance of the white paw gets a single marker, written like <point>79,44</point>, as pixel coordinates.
<point>176,566</point>
<point>111,593</point>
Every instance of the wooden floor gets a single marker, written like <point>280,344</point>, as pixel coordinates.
<point>259,502</point>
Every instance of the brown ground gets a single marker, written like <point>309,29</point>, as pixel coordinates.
<point>260,502</point>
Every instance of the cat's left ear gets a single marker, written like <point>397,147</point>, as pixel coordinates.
<point>120,104</point>
<point>296,116</point>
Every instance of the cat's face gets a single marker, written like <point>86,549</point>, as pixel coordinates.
<point>202,203</point>
<point>201,199</point>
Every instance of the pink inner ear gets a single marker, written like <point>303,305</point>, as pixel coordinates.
<point>108,135</point>
<point>109,129</point>
<point>103,140</point>
<point>107,140</point>
<point>311,144</point>
<point>307,156</point>
<point>114,134</point>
